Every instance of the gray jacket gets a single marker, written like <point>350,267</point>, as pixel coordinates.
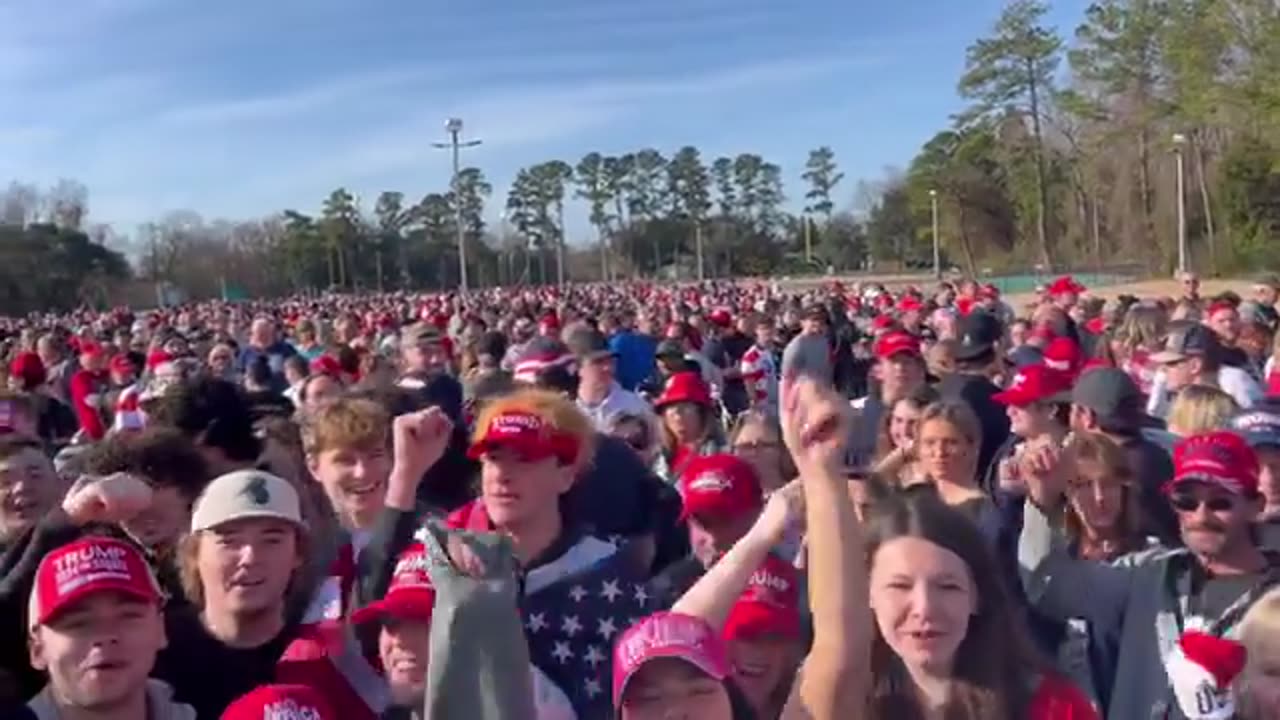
<point>1140,596</point>
<point>160,704</point>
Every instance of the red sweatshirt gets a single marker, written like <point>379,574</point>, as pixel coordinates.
<point>88,392</point>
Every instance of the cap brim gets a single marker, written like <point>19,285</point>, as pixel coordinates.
<point>250,515</point>
<point>1231,485</point>
<point>411,604</point>
<point>526,449</point>
<point>749,620</point>
<point>676,653</point>
<point>1165,357</point>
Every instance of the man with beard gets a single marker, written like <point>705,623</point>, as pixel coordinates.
<point>1151,599</point>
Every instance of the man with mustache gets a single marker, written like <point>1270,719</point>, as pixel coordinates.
<point>1147,600</point>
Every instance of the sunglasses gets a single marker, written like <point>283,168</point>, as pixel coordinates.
<point>1187,502</point>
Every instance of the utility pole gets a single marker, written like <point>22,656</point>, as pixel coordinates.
<point>454,128</point>
<point>937,248</point>
<point>1180,140</point>
<point>808,240</point>
<point>697,243</point>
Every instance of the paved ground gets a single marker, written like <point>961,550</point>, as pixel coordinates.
<point>1159,288</point>
<point>1142,289</point>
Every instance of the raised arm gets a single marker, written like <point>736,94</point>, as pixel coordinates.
<point>834,682</point>
<point>713,595</point>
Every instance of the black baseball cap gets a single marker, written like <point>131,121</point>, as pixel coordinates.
<point>979,331</point>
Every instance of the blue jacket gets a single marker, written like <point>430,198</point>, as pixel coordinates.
<point>635,357</point>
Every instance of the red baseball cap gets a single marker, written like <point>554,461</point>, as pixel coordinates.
<point>1064,355</point>
<point>528,434</point>
<point>897,343</point>
<point>1035,383</point>
<point>121,364</point>
<point>667,635</point>
<point>90,348</point>
<point>1219,458</point>
<point>280,702</point>
<point>80,569</point>
<point>1066,285</point>
<point>770,606</point>
<point>720,485</point>
<point>411,595</point>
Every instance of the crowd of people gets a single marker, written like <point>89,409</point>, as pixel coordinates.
<point>722,501</point>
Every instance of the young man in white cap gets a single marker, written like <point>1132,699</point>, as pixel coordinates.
<point>95,629</point>
<point>237,564</point>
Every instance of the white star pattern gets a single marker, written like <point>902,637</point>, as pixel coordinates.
<point>593,657</point>
<point>570,626</point>
<point>642,595</point>
<point>593,687</point>
<point>562,653</point>
<point>577,592</point>
<point>611,590</point>
<point>537,621</point>
<point>606,628</point>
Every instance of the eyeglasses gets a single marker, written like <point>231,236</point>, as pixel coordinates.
<point>1187,502</point>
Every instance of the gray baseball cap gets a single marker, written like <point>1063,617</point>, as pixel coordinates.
<point>1259,425</point>
<point>1112,395</point>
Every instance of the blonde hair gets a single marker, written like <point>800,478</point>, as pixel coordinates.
<point>960,416</point>
<point>1200,408</point>
<point>344,423</point>
<point>1259,631</point>
<point>561,413</point>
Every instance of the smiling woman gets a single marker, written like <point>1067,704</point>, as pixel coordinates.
<point>946,642</point>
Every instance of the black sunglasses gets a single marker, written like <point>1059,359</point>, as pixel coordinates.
<point>1187,502</point>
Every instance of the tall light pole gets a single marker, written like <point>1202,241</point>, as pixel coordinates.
<point>937,248</point>
<point>454,128</point>
<point>1180,140</point>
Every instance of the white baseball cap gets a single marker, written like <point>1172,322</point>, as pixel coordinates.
<point>245,494</point>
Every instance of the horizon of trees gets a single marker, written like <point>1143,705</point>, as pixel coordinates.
<point>1064,157</point>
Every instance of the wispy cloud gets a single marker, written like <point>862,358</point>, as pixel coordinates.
<point>244,107</point>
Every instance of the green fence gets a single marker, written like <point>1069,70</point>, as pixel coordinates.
<point>1020,284</point>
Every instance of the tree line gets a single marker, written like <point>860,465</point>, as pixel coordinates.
<point>1066,155</point>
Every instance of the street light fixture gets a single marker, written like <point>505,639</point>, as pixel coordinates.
<point>937,251</point>
<point>454,127</point>
<point>1179,142</point>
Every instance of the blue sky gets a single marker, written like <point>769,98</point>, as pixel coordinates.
<point>240,108</point>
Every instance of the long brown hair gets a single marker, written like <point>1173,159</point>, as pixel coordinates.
<point>1096,448</point>
<point>996,667</point>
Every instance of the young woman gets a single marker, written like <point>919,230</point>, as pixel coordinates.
<point>688,423</point>
<point>1141,334</point>
<point>897,453</point>
<point>1103,521</point>
<point>757,438</point>
<point>949,440</point>
<point>942,641</point>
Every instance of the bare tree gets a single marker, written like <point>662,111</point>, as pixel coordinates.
<point>19,204</point>
<point>67,204</point>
